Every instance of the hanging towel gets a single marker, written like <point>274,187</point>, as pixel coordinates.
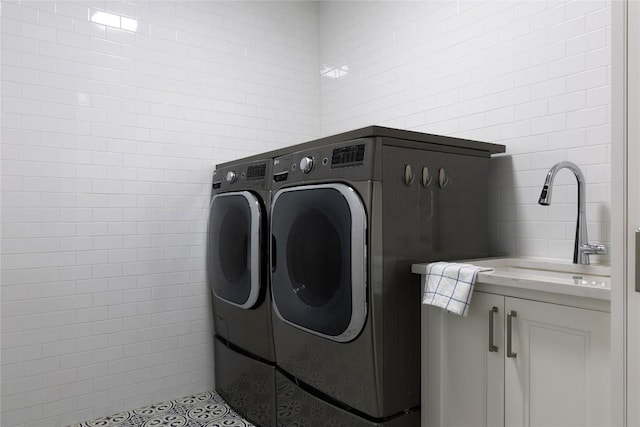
<point>450,286</point>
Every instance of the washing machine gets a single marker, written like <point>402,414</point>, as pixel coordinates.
<point>237,274</point>
<point>347,221</point>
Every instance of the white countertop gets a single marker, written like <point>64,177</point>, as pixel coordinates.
<point>540,275</point>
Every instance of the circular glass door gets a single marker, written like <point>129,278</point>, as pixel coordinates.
<point>233,248</point>
<point>318,259</point>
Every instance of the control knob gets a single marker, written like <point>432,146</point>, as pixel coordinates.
<point>231,177</point>
<point>306,164</point>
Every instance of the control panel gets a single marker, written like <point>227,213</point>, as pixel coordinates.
<point>250,175</point>
<point>348,160</point>
<point>347,156</point>
<point>306,164</point>
<point>255,172</point>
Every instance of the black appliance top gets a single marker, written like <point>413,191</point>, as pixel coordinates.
<point>389,136</point>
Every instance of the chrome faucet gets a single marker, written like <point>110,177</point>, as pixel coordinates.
<point>581,248</point>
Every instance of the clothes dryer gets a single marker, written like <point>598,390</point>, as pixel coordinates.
<point>237,273</point>
<point>347,221</point>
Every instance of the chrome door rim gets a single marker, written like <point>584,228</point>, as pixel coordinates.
<point>358,261</point>
<point>254,251</point>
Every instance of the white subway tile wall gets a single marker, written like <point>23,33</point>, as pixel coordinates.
<point>114,113</point>
<point>113,116</point>
<point>533,75</point>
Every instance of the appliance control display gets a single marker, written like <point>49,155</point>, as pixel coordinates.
<point>279,177</point>
<point>347,156</point>
<point>255,172</point>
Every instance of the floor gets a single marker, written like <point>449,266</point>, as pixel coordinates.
<point>201,410</point>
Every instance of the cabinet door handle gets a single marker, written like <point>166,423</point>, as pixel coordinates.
<point>492,312</point>
<point>638,260</point>
<point>510,316</point>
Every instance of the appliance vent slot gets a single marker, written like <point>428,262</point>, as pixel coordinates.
<point>347,156</point>
<point>255,172</point>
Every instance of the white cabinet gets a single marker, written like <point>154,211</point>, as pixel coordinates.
<point>560,374</point>
<point>556,373</point>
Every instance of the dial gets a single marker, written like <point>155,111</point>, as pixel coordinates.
<point>231,177</point>
<point>306,164</point>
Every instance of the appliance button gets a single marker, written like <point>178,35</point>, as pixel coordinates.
<point>231,177</point>
<point>306,164</point>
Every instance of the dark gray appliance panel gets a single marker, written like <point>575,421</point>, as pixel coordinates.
<point>248,328</point>
<point>378,373</point>
<point>348,371</point>
<point>246,384</point>
<point>296,407</point>
<point>441,219</point>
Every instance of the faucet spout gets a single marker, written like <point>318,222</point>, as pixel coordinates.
<point>580,247</point>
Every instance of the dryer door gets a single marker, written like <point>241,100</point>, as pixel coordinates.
<point>318,259</point>
<point>234,253</point>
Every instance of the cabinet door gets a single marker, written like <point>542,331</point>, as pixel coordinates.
<point>463,381</point>
<point>561,369</point>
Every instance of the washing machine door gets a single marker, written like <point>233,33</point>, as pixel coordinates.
<point>234,253</point>
<point>318,259</point>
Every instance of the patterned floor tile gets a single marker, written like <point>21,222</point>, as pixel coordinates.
<point>201,410</point>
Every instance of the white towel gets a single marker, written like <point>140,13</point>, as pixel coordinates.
<point>450,286</point>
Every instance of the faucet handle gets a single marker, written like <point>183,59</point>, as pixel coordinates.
<point>591,249</point>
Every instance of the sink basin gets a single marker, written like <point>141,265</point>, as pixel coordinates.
<point>549,270</point>
<point>555,276</point>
